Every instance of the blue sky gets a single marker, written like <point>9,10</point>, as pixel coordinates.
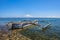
<point>29,8</point>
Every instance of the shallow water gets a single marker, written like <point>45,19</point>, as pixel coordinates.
<point>54,29</point>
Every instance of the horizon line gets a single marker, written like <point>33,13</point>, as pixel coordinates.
<point>29,17</point>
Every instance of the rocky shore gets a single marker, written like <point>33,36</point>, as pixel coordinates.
<point>19,34</point>
<point>25,34</point>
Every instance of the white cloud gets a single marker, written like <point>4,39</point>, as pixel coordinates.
<point>28,15</point>
<point>50,16</point>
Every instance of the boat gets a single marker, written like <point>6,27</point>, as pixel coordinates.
<point>24,24</point>
<point>21,25</point>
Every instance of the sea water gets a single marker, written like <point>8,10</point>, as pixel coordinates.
<point>55,23</point>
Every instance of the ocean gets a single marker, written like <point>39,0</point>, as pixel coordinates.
<point>55,24</point>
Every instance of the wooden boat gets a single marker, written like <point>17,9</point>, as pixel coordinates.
<point>21,25</point>
<point>24,24</point>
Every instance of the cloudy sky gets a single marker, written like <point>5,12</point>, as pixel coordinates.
<point>29,8</point>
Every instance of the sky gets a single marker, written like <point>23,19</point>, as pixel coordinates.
<point>30,8</point>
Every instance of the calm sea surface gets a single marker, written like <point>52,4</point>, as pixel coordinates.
<point>55,23</point>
